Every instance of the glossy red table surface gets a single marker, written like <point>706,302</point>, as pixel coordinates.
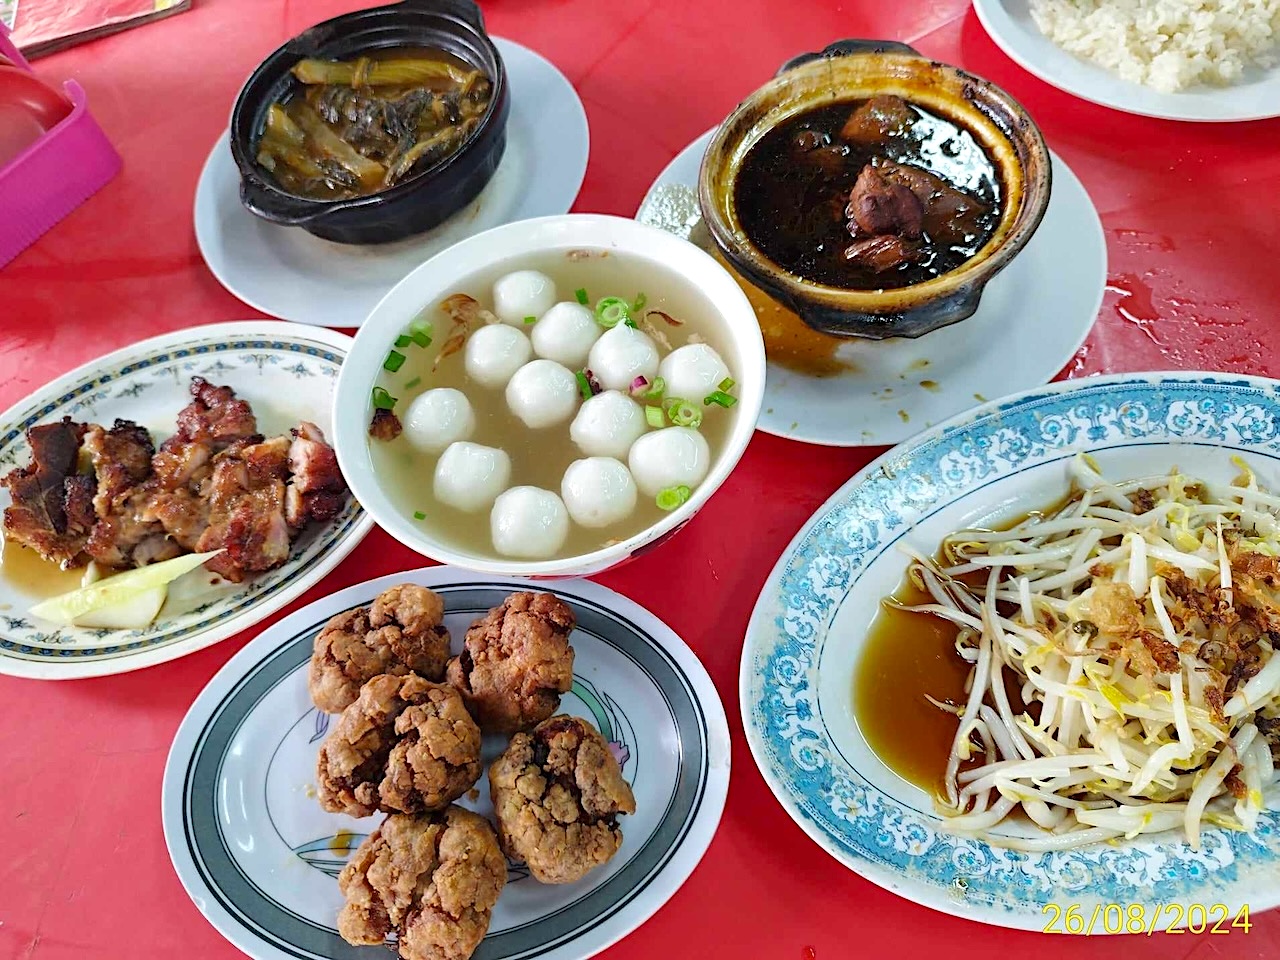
<point>1190,214</point>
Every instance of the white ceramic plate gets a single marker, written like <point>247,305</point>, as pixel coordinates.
<point>260,857</point>
<point>288,374</point>
<point>1010,25</point>
<point>288,273</point>
<point>810,625</point>
<point>1033,318</point>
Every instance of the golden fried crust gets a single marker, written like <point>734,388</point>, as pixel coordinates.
<point>404,746</point>
<point>431,879</point>
<point>402,632</point>
<point>557,793</point>
<point>516,661</point>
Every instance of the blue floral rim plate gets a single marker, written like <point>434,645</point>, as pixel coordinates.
<point>806,633</point>
<point>287,373</point>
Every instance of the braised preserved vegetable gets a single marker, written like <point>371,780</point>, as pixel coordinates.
<point>361,126</point>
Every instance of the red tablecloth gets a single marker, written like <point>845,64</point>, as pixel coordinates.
<point>1190,214</point>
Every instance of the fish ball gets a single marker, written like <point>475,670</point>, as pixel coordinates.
<point>565,334</point>
<point>437,418</point>
<point>542,393</point>
<point>693,372</point>
<point>495,352</point>
<point>469,476</point>
<point>528,522</point>
<point>669,457</point>
<point>524,293</point>
<point>607,425</point>
<point>621,355</point>
<point>598,491</point>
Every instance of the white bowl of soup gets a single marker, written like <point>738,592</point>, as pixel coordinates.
<point>511,405</point>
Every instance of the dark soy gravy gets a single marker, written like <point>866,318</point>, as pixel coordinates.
<point>907,656</point>
<point>791,200</point>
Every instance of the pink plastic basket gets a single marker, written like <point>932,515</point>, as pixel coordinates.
<point>56,174</point>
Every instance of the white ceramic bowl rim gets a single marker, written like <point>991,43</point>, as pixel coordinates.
<point>444,274</point>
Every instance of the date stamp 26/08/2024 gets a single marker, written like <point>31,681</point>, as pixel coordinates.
<point>1168,918</point>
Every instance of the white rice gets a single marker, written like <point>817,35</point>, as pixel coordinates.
<point>1165,44</point>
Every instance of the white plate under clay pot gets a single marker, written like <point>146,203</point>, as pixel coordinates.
<point>260,858</point>
<point>288,273</point>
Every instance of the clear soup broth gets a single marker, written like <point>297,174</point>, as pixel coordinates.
<point>539,457</point>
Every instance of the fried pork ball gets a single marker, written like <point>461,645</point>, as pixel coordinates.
<point>404,746</point>
<point>402,632</point>
<point>557,794</point>
<point>432,880</point>
<point>515,662</point>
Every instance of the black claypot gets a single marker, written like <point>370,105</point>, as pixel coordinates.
<point>423,200</point>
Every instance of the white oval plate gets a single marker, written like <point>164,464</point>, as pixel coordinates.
<point>1033,318</point>
<point>259,856</point>
<point>810,625</point>
<point>288,273</point>
<point>288,374</point>
<point>1010,25</point>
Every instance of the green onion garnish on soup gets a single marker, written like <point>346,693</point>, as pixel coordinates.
<point>584,384</point>
<point>672,497</point>
<point>382,400</point>
<point>611,311</point>
<point>653,416</point>
<point>419,515</point>
<point>685,414</point>
<point>720,398</point>
<point>403,341</point>
<point>581,295</point>
<point>395,360</point>
<point>420,333</point>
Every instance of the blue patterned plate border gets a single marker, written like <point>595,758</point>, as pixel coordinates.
<point>977,458</point>
<point>270,353</point>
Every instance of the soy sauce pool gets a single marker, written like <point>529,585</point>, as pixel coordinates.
<point>793,187</point>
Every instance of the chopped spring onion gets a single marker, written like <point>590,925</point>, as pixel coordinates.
<point>413,383</point>
<point>656,389</point>
<point>630,323</point>
<point>581,295</point>
<point>720,398</point>
<point>672,497</point>
<point>403,341</point>
<point>685,414</point>
<point>419,515</point>
<point>727,384</point>
<point>383,400</point>
<point>395,360</point>
<point>611,311</point>
<point>653,416</point>
<point>420,333</point>
<point>638,303</point>
<point>584,384</point>
<point>530,319</point>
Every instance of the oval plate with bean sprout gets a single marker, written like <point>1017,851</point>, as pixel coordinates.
<point>1032,657</point>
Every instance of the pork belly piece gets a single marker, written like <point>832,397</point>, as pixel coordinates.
<point>950,216</point>
<point>38,517</point>
<point>316,489</point>
<point>879,119</point>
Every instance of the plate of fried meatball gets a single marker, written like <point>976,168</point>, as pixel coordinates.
<point>447,767</point>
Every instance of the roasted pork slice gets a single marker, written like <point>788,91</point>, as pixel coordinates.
<point>121,460</point>
<point>878,206</point>
<point>215,416</point>
<point>246,502</point>
<point>316,490</point>
<point>38,517</point>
